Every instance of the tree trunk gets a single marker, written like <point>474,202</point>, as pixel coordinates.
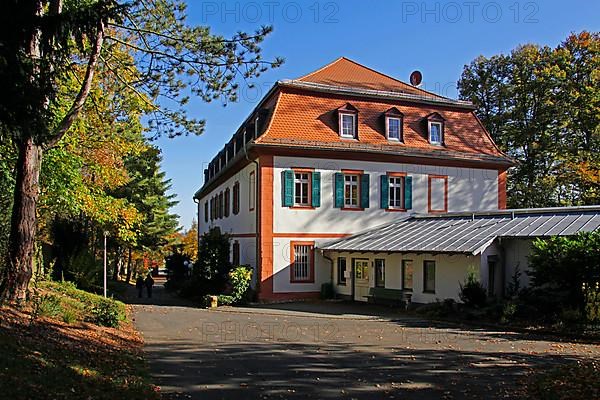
<point>23,223</point>
<point>116,264</point>
<point>129,266</point>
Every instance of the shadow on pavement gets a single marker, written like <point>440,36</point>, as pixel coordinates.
<point>291,370</point>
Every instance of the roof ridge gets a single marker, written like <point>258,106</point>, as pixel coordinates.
<point>373,71</point>
<point>322,68</point>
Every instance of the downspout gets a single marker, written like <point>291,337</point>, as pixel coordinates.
<point>330,269</point>
<point>197,201</point>
<point>502,252</point>
<point>257,199</point>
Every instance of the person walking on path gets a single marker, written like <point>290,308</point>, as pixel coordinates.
<point>139,285</point>
<point>149,283</point>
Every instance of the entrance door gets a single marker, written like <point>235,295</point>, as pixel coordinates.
<point>491,278</point>
<point>361,279</point>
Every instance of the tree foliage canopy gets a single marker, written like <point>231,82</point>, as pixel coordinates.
<point>542,107</point>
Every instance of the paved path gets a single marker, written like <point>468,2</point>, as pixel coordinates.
<point>332,350</point>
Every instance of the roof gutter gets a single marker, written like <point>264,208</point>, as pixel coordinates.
<point>504,161</point>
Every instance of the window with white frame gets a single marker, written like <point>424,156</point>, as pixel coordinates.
<point>302,188</point>
<point>348,125</point>
<point>351,197</point>
<point>435,133</point>
<point>394,128</point>
<point>396,192</point>
<point>301,269</point>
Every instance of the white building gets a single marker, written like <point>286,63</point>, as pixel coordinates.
<point>337,152</point>
<point>429,256</point>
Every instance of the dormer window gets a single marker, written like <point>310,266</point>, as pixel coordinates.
<point>435,129</point>
<point>393,128</point>
<point>347,120</point>
<point>393,124</point>
<point>435,132</point>
<point>348,124</point>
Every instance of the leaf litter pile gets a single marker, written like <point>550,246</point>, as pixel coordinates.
<point>45,358</point>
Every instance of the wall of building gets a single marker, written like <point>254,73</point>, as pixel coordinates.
<point>451,271</point>
<point>282,266</point>
<point>242,223</point>
<point>517,252</point>
<point>468,189</point>
<point>492,252</point>
<point>242,226</point>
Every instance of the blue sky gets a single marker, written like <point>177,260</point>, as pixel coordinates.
<point>394,37</point>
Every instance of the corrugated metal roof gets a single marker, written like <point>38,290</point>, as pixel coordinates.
<point>469,233</point>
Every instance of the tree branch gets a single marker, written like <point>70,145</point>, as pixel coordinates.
<point>86,86</point>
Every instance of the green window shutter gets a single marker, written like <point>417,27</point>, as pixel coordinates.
<point>288,188</point>
<point>385,191</point>
<point>364,190</point>
<point>408,192</point>
<point>316,189</point>
<point>339,190</point>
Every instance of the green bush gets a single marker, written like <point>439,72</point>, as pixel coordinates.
<point>85,306</point>
<point>472,292</point>
<point>570,316</point>
<point>591,294</point>
<point>508,312</point>
<point>240,278</point>
<point>69,316</point>
<point>48,306</point>
<point>224,300</point>
<point>566,263</point>
<point>105,312</point>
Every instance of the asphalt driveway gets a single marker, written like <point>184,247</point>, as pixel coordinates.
<point>333,350</point>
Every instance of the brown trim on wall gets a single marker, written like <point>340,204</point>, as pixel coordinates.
<point>242,235</point>
<point>265,260</point>
<point>353,171</point>
<point>390,173</point>
<point>429,179</point>
<point>502,189</point>
<point>311,235</point>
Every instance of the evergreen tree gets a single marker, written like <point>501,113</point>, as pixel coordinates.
<point>41,42</point>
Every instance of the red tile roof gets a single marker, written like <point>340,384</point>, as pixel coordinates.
<point>301,115</point>
<point>344,72</point>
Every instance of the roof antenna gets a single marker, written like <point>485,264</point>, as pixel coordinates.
<point>416,77</point>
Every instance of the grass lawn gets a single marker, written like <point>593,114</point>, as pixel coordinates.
<point>48,358</point>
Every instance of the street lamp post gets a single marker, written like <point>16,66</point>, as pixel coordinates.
<point>105,237</point>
